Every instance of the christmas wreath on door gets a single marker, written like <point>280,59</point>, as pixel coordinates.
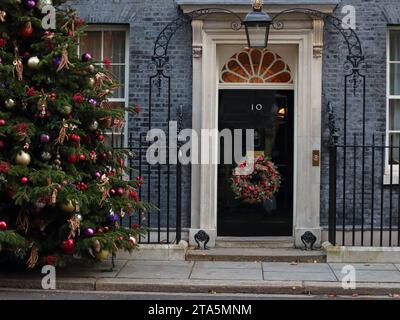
<point>255,180</point>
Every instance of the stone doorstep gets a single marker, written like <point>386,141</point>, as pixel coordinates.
<point>217,286</point>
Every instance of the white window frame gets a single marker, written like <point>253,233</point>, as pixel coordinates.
<point>390,97</point>
<point>105,28</point>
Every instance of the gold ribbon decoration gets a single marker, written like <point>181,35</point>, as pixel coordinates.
<point>65,63</point>
<point>23,223</point>
<point>3,15</point>
<point>75,225</point>
<point>63,134</point>
<point>70,24</point>
<point>18,66</point>
<point>104,188</point>
<point>33,258</point>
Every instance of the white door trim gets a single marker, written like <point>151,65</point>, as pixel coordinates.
<point>308,89</point>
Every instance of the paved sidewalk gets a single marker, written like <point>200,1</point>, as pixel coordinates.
<point>221,277</point>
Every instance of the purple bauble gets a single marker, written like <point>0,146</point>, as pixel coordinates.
<point>44,138</point>
<point>89,232</point>
<point>26,55</point>
<point>93,102</point>
<point>98,175</point>
<point>112,218</point>
<point>86,57</point>
<point>56,62</point>
<point>30,4</point>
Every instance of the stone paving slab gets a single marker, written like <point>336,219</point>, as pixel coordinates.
<point>299,276</point>
<point>374,276</point>
<point>156,270</point>
<point>228,265</point>
<point>296,268</point>
<point>364,267</point>
<point>98,271</point>
<point>205,273</point>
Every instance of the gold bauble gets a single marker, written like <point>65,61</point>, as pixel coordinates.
<point>91,82</point>
<point>92,68</point>
<point>96,246</point>
<point>33,62</point>
<point>67,207</point>
<point>23,158</point>
<point>103,255</point>
<point>66,110</point>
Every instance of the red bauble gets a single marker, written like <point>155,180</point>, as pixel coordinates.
<point>68,246</point>
<point>104,156</point>
<point>74,138</point>
<point>3,226</point>
<point>112,192</point>
<point>100,230</point>
<point>26,31</point>
<point>2,122</point>
<point>106,229</point>
<point>134,195</point>
<point>24,180</point>
<point>101,138</point>
<point>82,157</point>
<point>73,158</point>
<point>121,191</point>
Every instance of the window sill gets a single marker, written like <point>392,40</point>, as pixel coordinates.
<point>395,179</point>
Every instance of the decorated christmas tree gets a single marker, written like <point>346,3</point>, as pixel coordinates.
<point>63,190</point>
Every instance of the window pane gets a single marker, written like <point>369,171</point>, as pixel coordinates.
<point>394,109</point>
<point>119,74</point>
<point>395,79</point>
<point>91,42</point>
<point>114,46</point>
<point>394,152</point>
<point>395,45</point>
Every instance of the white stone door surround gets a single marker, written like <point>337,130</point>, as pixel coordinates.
<point>307,35</point>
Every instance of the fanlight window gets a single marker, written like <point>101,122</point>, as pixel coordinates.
<point>256,66</point>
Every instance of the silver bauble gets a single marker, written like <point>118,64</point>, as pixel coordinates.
<point>78,216</point>
<point>9,103</point>
<point>33,63</point>
<point>41,3</point>
<point>94,126</point>
<point>40,204</point>
<point>46,156</point>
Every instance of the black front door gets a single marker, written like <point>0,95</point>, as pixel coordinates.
<point>271,114</point>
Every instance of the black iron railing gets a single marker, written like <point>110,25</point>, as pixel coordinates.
<point>162,188</point>
<point>364,193</point>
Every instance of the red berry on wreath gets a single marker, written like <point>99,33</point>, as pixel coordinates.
<point>82,157</point>
<point>2,122</point>
<point>112,192</point>
<point>121,191</point>
<point>24,180</point>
